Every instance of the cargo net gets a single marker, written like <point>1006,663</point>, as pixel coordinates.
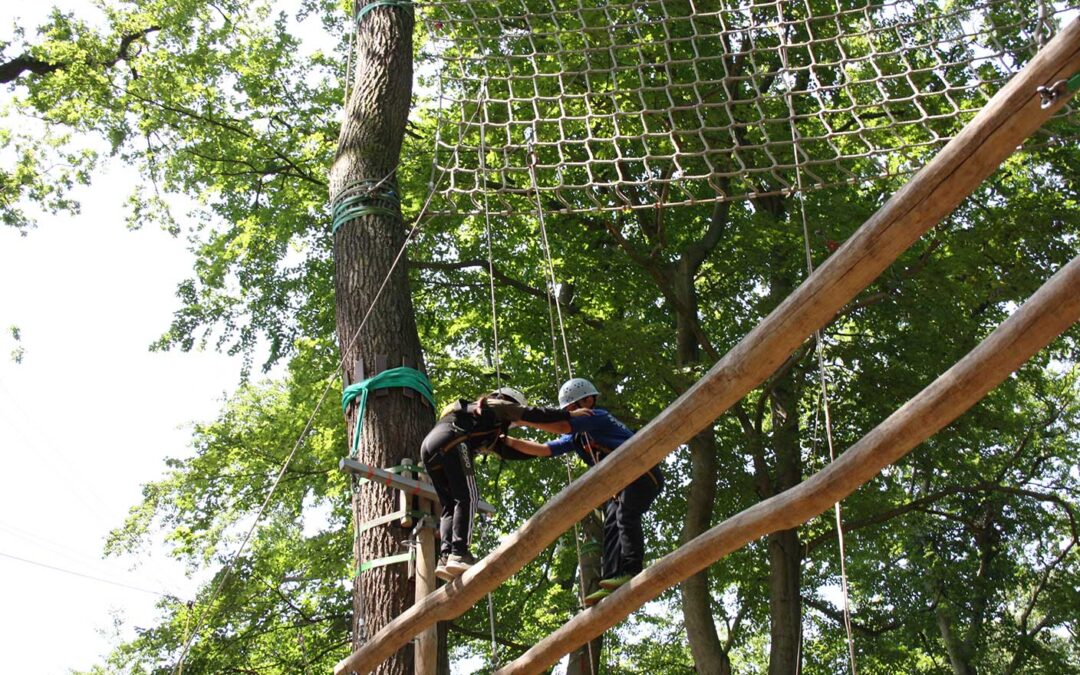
<point>583,106</point>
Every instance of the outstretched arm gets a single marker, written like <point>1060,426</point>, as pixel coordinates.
<point>528,447</point>
<point>539,418</point>
<point>559,427</point>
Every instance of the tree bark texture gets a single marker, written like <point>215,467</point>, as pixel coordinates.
<point>705,646</point>
<point>365,249</point>
<point>585,660</point>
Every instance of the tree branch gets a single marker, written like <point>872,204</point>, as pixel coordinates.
<point>506,280</point>
<point>484,636</point>
<point>13,69</point>
<point>838,617</point>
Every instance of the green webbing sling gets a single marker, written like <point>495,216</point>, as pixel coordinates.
<point>403,4</point>
<point>395,377</point>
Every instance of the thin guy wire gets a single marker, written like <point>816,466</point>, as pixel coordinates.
<point>550,265</point>
<point>490,257</point>
<point>86,576</point>
<point>820,347</point>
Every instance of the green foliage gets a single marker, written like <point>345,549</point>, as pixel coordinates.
<point>18,352</point>
<point>225,105</point>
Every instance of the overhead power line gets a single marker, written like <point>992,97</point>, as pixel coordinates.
<point>87,576</point>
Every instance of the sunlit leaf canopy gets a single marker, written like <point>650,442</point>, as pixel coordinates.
<point>963,555</point>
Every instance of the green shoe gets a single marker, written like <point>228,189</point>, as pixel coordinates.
<point>596,597</point>
<point>614,582</point>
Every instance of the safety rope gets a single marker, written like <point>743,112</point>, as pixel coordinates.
<point>550,268</point>
<point>495,336</point>
<point>819,342</point>
<point>490,255</point>
<point>552,297</point>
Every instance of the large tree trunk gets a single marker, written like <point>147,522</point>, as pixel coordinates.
<point>364,250</point>
<point>785,553</point>
<point>586,659</point>
<point>705,646</point>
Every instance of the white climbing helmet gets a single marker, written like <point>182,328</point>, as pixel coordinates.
<point>512,394</point>
<point>574,390</point>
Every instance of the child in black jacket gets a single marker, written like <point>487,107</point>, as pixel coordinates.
<point>463,430</point>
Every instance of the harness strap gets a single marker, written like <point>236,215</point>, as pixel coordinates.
<point>598,451</point>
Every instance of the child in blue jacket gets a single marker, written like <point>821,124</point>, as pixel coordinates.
<point>593,437</point>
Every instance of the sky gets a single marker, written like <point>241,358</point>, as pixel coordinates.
<point>87,418</point>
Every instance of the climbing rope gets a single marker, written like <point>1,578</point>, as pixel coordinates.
<point>552,298</point>
<point>490,256</point>
<point>496,354</point>
<point>819,342</point>
<point>547,250</point>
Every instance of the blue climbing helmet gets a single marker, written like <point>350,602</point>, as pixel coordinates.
<point>573,390</point>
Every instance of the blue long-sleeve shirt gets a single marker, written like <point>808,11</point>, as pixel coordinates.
<point>593,437</point>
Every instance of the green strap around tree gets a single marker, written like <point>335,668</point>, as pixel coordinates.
<point>395,377</point>
<point>362,198</point>
<point>403,4</point>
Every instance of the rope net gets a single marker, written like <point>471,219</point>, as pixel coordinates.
<point>626,105</point>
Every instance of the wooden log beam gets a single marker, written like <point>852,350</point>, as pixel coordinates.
<point>1008,119</point>
<point>1052,310</point>
<point>408,486</point>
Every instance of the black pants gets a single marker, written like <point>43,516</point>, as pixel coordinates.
<point>451,474</point>
<point>624,541</point>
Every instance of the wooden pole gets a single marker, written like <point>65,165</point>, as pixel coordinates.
<point>1006,121</point>
<point>427,641</point>
<point>1053,309</point>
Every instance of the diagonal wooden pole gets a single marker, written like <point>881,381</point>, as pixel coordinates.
<point>1049,312</point>
<point>1008,119</point>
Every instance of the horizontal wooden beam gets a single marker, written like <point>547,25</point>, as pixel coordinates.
<point>1007,120</point>
<point>1048,313</point>
<point>407,485</point>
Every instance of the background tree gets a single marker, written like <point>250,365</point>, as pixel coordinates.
<point>962,557</point>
